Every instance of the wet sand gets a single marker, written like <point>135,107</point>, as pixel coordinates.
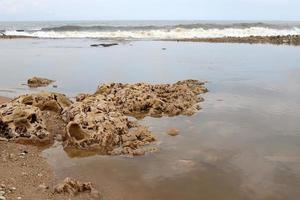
<point>3,99</point>
<point>243,144</point>
<point>24,173</point>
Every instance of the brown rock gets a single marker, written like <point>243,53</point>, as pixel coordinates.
<point>73,187</point>
<point>38,82</point>
<point>173,132</point>
<point>23,119</point>
<point>143,99</point>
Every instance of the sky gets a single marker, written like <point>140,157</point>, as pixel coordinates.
<point>24,10</point>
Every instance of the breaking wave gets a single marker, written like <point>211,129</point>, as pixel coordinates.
<point>186,31</point>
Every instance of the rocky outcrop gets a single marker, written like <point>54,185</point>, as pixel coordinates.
<point>96,124</point>
<point>23,119</point>
<point>288,40</point>
<point>155,100</point>
<point>100,122</point>
<point>38,82</point>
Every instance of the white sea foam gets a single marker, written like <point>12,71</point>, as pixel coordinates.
<point>176,33</point>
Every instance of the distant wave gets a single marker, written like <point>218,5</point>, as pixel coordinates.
<point>181,31</point>
<point>183,26</point>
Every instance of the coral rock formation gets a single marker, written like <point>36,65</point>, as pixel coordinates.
<point>73,187</point>
<point>99,122</point>
<point>38,82</point>
<point>96,124</point>
<point>23,117</point>
<point>155,100</point>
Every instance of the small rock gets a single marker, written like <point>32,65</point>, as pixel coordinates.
<point>24,151</point>
<point>2,198</point>
<point>43,187</point>
<point>173,132</point>
<point>3,139</point>
<point>139,152</point>
<point>104,45</point>
<point>59,138</point>
<point>19,197</point>
<point>24,174</point>
<point>36,82</point>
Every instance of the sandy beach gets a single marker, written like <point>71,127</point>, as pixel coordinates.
<point>24,173</point>
<point>3,100</point>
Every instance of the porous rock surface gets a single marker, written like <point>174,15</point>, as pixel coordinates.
<point>155,100</point>
<point>96,124</point>
<point>23,118</point>
<point>73,187</point>
<point>38,82</point>
<point>100,122</point>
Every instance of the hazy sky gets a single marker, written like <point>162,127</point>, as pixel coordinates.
<point>149,9</point>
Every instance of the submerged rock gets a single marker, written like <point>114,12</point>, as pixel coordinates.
<point>173,132</point>
<point>104,45</point>
<point>38,82</point>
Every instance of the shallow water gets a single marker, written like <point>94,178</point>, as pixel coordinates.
<point>243,144</point>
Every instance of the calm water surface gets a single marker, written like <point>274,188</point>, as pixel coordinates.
<point>243,144</point>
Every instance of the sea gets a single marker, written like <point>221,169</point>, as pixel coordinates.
<point>149,30</point>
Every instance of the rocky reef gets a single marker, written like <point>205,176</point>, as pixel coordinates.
<point>102,122</point>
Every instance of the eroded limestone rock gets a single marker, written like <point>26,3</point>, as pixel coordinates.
<point>100,122</point>
<point>23,118</point>
<point>73,187</point>
<point>38,82</point>
<point>180,98</point>
<point>96,124</point>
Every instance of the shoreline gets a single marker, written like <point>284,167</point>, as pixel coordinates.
<point>16,37</point>
<point>277,40</point>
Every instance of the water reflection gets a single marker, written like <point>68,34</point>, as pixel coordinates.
<point>243,144</point>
